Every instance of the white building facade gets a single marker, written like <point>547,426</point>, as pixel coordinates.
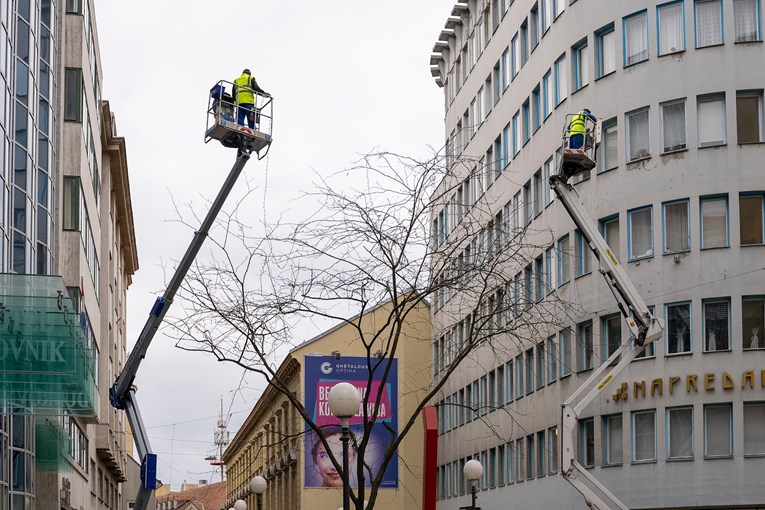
<point>679,195</point>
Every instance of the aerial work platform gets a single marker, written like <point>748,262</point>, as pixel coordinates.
<point>222,117</point>
<point>578,156</point>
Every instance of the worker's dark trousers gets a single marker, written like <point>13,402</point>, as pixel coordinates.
<point>574,141</point>
<point>245,110</point>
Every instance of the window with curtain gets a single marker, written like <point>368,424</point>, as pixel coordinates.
<point>584,345</point>
<point>552,449</point>
<point>671,28</point>
<point>644,436</point>
<point>552,360</point>
<point>678,330</point>
<point>548,93</point>
<point>708,23</point>
<point>530,371</point>
<point>530,456</point>
<point>534,25</point>
<point>749,117</point>
<point>559,6</point>
<point>716,325</point>
<point>680,433</point>
<point>517,133</point>
<point>612,440</point>
<point>606,51</point>
<point>637,134</point>
<point>641,233</point>
<point>753,322</point>
<point>549,170</point>
<point>673,126</point>
<point>515,51</point>
<point>540,367</point>
<point>612,335</point>
<point>635,38</point>
<point>751,216</point>
<point>561,80</point>
<point>550,274</point>
<point>547,14</point>
<point>519,376</point>
<point>718,433</point>
<point>536,106</point>
<point>582,65</point>
<point>526,114</point>
<point>510,461</point>
<point>610,230</point>
<point>754,428</point>
<point>608,146</point>
<point>71,203</point>
<point>583,262</point>
<point>501,465</point>
<point>746,20</point>
<point>714,222</point>
<point>711,120</point>
<point>676,227</point>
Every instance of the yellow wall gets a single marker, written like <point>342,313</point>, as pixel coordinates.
<point>247,459</point>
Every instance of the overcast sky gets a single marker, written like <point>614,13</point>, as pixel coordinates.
<point>347,76</point>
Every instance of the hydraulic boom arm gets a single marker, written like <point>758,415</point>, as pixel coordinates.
<point>644,327</point>
<point>122,394</point>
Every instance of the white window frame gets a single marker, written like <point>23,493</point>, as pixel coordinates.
<point>757,22</point>
<point>561,80</point>
<point>633,415</point>
<point>759,407</point>
<point>605,38</point>
<point>630,231</point>
<point>665,229</point>
<point>684,145</point>
<point>607,440</point>
<point>667,329</point>
<point>668,422</point>
<point>704,340</point>
<point>702,201</point>
<point>659,10</point>
<point>625,31</point>
<point>696,23</point>
<point>707,455</point>
<point>639,155</point>
<point>757,94</point>
<point>712,98</point>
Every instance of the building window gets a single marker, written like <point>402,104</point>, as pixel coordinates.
<point>541,453</point>
<point>581,64</point>
<point>751,214</point>
<point>505,68</point>
<point>501,465</point>
<point>538,192</point>
<point>587,442</point>
<point>754,429</point>
<point>548,93</point>
<point>71,203</point>
<point>564,349</point>
<point>671,28</point>
<point>552,360</point>
<point>584,345</point>
<point>638,146</point>
<point>552,449</point>
<point>547,14</point>
<point>680,433</point>
<point>549,170</point>
<point>516,133</point>
<point>497,83</point>
<point>74,6</point>
<point>515,52</point>
<point>561,80</point>
<point>608,146</point>
<point>528,207</point>
<point>678,328</point>
<point>73,94</point>
<point>749,116</point>
<point>558,7</point>
<point>612,440</point>
<point>673,132</point>
<point>519,376</point>
<point>583,260</point>
<point>714,222</point>
<point>711,120</point>
<point>640,227</point>
<point>676,227</point>
<point>612,335</point>
<point>550,273</point>
<point>746,20</point>
<point>534,26</point>
<point>564,265</point>
<point>635,38</point>
<point>708,23</point>
<point>525,119</point>
<point>753,322</point>
<point>539,280</point>
<point>610,231</point>
<point>540,368</point>
<point>530,371</point>
<point>524,42</point>
<point>716,325</point>
<point>606,50</point>
<point>718,430</point>
<point>536,113</point>
<point>530,456</point>
<point>649,351</point>
<point>644,436</point>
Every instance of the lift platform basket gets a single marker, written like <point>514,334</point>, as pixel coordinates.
<point>239,126</point>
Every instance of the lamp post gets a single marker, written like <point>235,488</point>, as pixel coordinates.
<point>473,471</point>
<point>258,485</point>
<point>239,504</point>
<point>344,400</point>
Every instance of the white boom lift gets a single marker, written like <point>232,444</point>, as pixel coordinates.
<point>579,155</point>
<point>221,126</point>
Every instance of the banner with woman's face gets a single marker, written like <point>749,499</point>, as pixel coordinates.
<point>321,374</point>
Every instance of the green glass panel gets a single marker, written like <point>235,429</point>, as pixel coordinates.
<point>51,441</point>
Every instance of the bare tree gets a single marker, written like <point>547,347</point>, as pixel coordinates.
<point>385,240</point>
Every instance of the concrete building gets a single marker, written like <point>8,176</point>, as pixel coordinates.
<point>67,218</point>
<point>270,443</point>
<point>201,496</point>
<point>678,193</point>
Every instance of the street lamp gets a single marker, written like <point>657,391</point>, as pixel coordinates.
<point>258,485</point>
<point>473,471</point>
<point>239,504</point>
<point>344,400</point>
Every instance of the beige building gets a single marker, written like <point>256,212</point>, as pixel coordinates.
<point>271,442</point>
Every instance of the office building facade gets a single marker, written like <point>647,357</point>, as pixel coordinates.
<point>677,193</point>
<point>66,216</point>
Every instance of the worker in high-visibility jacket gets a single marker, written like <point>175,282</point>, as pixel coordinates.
<point>244,94</point>
<point>577,128</point>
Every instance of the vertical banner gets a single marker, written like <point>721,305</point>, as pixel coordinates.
<point>321,374</point>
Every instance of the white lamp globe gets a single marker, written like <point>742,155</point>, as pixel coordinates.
<point>258,485</point>
<point>473,470</point>
<point>344,400</point>
<point>240,505</point>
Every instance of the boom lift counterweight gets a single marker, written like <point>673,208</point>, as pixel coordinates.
<point>122,393</point>
<point>643,326</point>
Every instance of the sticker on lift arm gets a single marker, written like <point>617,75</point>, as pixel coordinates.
<point>611,256</point>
